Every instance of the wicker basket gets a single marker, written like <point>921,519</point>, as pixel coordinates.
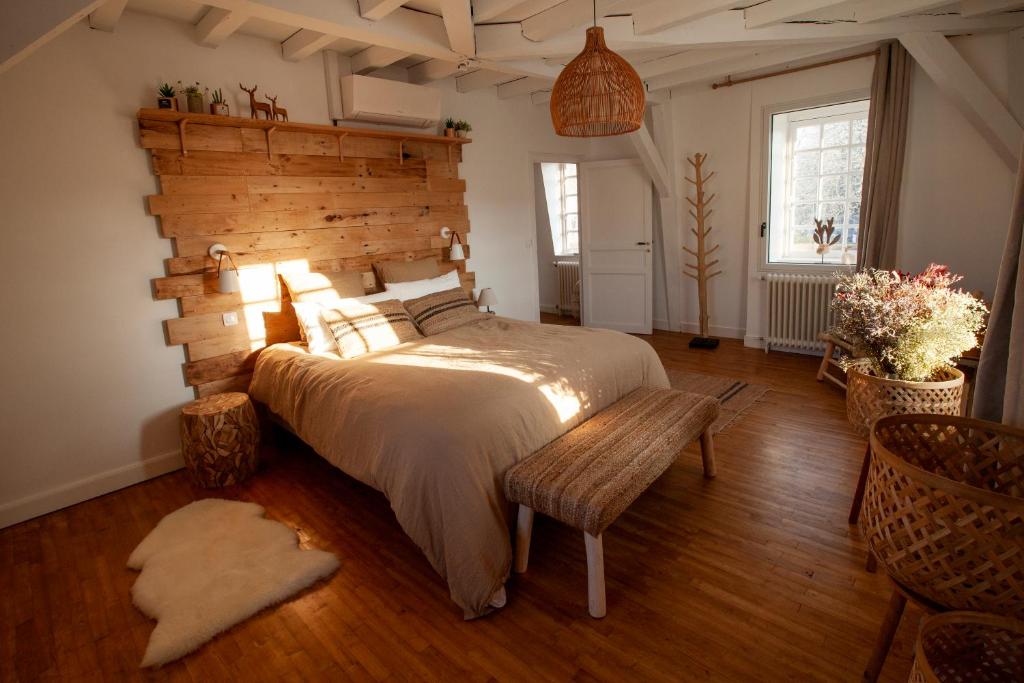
<point>869,397</point>
<point>969,646</point>
<point>944,510</point>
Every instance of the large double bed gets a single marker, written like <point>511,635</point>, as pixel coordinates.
<point>435,423</point>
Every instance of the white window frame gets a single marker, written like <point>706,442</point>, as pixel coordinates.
<point>764,266</point>
<point>563,213</point>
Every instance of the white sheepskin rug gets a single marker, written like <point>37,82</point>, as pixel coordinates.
<point>212,564</point>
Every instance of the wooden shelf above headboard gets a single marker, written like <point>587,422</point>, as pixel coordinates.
<point>278,195</point>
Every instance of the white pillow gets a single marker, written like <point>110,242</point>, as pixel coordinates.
<point>319,338</point>
<point>404,291</point>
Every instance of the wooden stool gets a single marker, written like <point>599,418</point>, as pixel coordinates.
<point>588,477</point>
<point>828,360</point>
<point>220,439</point>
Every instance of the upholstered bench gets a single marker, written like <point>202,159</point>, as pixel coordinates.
<point>589,476</point>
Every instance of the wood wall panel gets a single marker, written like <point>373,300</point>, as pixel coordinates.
<point>318,198</point>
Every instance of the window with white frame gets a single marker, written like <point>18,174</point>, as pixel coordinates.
<point>816,173</point>
<point>561,187</point>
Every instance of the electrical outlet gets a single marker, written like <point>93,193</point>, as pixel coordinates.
<point>230,318</point>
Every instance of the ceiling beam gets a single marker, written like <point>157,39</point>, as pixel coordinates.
<point>217,25</point>
<point>688,60</point>
<point>375,57</point>
<point>375,10</point>
<point>668,13</point>
<point>509,10</point>
<point>877,10</point>
<point>485,10</point>
<point>978,8</point>
<point>106,16</point>
<point>571,14</point>
<point>481,78</point>
<point>304,43</point>
<point>27,25</point>
<point>431,70</point>
<point>526,85</point>
<point>458,22</point>
<point>960,84</point>
<point>778,11</point>
<point>645,148</point>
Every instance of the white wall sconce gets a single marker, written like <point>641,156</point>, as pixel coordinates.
<point>457,253</point>
<point>227,278</point>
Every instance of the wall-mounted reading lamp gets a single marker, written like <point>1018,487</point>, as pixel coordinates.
<point>227,278</point>
<point>455,245</point>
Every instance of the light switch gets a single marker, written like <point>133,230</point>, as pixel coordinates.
<point>230,318</point>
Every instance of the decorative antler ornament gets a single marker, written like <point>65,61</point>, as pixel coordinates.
<point>701,269</point>
<point>823,237</point>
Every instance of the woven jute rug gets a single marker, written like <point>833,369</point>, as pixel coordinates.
<point>735,396</point>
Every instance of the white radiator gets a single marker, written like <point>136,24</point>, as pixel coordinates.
<point>568,287</point>
<point>799,307</point>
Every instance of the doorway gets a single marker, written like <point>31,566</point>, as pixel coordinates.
<point>556,195</point>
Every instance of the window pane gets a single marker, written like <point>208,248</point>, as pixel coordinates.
<point>803,214</point>
<point>856,185</point>
<point>805,189</point>
<point>857,160</point>
<point>851,237</point>
<point>860,131</point>
<point>571,222</point>
<point>570,185</point>
<point>854,213</point>
<point>571,204</point>
<point>808,137</point>
<point>833,187</point>
<point>570,171</point>
<point>802,236</point>
<point>836,210</point>
<point>836,134</point>
<point>834,160</point>
<point>805,164</point>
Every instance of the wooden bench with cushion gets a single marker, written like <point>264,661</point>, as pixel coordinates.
<point>589,476</point>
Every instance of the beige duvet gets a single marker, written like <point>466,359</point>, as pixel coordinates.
<point>435,423</point>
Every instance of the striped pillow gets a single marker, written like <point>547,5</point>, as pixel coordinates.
<point>442,311</point>
<point>360,328</point>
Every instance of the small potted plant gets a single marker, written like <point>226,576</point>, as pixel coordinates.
<point>167,99</point>
<point>218,105</point>
<point>462,129</point>
<point>449,127</point>
<point>194,98</point>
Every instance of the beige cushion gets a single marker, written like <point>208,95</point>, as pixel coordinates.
<point>407,271</point>
<point>442,311</point>
<point>360,328</point>
<point>320,287</point>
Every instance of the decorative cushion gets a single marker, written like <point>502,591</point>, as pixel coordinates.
<point>314,329</point>
<point>442,311</point>
<point>404,291</point>
<point>323,286</point>
<point>360,328</point>
<point>407,271</point>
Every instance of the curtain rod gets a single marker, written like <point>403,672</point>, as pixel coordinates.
<point>730,82</point>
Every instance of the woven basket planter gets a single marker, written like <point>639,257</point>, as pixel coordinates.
<point>969,646</point>
<point>869,397</point>
<point>944,510</point>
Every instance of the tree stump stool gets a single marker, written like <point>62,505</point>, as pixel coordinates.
<point>219,439</point>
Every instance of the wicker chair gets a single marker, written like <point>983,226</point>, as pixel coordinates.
<point>944,516</point>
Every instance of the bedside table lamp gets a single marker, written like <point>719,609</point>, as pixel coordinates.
<point>227,278</point>
<point>487,298</point>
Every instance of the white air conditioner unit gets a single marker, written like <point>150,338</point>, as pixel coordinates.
<point>379,100</point>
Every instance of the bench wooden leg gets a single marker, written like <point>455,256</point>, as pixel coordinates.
<point>890,623</point>
<point>595,575</point>
<point>524,530</point>
<point>707,453</point>
<point>830,348</point>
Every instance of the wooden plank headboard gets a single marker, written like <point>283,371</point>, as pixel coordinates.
<point>286,196</point>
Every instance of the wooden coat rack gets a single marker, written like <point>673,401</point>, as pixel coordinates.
<point>701,269</point>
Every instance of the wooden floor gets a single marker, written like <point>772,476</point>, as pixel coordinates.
<point>555,319</point>
<point>754,576</point>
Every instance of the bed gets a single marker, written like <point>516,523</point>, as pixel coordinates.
<point>435,423</point>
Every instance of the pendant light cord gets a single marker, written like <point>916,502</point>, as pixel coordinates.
<point>595,13</point>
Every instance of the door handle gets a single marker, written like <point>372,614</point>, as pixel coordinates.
<point>643,244</point>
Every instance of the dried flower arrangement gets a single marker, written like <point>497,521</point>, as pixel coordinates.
<point>908,326</point>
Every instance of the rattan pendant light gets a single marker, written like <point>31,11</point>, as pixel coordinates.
<point>598,93</point>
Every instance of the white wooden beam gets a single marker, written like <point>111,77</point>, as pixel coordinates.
<point>688,60</point>
<point>481,78</point>
<point>304,43</point>
<point>778,11</point>
<point>458,22</point>
<point>431,70</point>
<point>509,10</point>
<point>665,14</point>
<point>978,8</point>
<point>651,158</point>
<point>571,14</point>
<point>375,57</point>
<point>375,10</point>
<point>486,10</point>
<point>526,85</point>
<point>662,128</point>
<point>336,65</point>
<point>217,25</point>
<point>27,25</point>
<point>877,10</point>
<point>106,16</point>
<point>955,78</point>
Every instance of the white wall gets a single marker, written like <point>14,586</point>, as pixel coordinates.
<point>547,275</point>
<point>91,391</point>
<point>956,191</point>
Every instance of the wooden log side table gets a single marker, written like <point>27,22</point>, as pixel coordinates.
<point>220,438</point>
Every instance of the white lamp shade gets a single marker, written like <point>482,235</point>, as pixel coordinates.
<point>227,281</point>
<point>457,253</point>
<point>487,297</point>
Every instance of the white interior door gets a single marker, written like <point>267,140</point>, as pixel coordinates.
<point>615,245</point>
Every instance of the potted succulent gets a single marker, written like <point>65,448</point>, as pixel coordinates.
<point>462,129</point>
<point>449,127</point>
<point>218,105</point>
<point>167,99</point>
<point>194,98</point>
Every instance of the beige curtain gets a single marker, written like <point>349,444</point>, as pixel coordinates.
<point>999,387</point>
<point>883,163</point>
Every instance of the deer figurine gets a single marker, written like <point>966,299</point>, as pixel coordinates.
<point>277,111</point>
<point>254,106</point>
